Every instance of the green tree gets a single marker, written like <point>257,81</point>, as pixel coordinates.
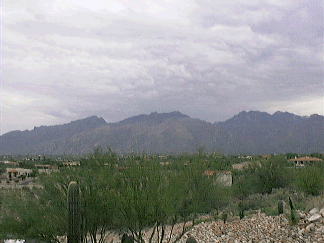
<point>291,155</point>
<point>32,214</point>
<point>310,179</point>
<point>202,194</point>
<point>42,213</point>
<point>141,190</point>
<point>261,177</point>
<point>98,201</point>
<point>144,194</point>
<point>270,174</point>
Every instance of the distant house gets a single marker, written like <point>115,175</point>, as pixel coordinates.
<point>221,177</point>
<point>18,171</point>
<point>245,165</point>
<point>72,163</point>
<point>13,241</point>
<point>266,156</point>
<point>10,163</point>
<point>246,157</point>
<point>240,166</point>
<point>12,173</point>
<point>224,177</point>
<point>45,168</point>
<point>165,163</point>
<point>302,161</point>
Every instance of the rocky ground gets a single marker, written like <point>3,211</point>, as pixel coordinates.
<point>259,228</point>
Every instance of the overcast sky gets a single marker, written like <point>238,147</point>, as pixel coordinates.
<point>67,60</point>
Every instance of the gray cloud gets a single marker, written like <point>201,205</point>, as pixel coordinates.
<point>209,60</point>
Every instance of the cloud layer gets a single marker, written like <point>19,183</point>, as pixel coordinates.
<point>65,60</point>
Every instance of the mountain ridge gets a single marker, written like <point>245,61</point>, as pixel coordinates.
<point>252,132</point>
<point>153,118</point>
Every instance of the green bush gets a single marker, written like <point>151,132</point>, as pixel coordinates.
<point>255,201</point>
<point>271,174</point>
<point>310,180</point>
<point>224,217</point>
<point>270,211</point>
<point>262,177</point>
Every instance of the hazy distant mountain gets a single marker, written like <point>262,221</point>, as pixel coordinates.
<point>153,119</point>
<point>27,142</point>
<point>250,132</point>
<point>261,133</point>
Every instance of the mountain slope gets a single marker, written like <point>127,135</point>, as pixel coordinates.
<point>25,142</point>
<point>250,132</point>
<point>153,119</point>
<point>260,132</point>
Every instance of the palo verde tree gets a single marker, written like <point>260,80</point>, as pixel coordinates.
<point>141,196</point>
<point>310,179</point>
<point>202,194</point>
<point>33,213</point>
<point>266,175</point>
<point>142,193</point>
<point>42,213</point>
<point>98,208</point>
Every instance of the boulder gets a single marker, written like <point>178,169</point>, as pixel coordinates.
<point>322,212</point>
<point>302,215</point>
<point>314,211</point>
<point>315,217</point>
<point>310,227</point>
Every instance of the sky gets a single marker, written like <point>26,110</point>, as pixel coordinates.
<point>209,59</point>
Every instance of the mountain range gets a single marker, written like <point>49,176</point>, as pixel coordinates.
<point>252,132</point>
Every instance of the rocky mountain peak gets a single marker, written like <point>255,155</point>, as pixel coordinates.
<point>153,118</point>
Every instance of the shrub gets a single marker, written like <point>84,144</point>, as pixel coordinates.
<point>310,180</point>
<point>271,174</point>
<point>241,210</point>
<point>261,177</point>
<point>224,216</point>
<point>269,211</point>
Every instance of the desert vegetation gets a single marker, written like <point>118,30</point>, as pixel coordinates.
<point>128,194</point>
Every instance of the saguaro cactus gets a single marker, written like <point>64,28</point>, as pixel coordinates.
<point>291,204</point>
<point>74,213</point>
<point>293,216</point>
<point>280,207</point>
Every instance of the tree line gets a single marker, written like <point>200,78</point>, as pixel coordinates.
<point>135,193</point>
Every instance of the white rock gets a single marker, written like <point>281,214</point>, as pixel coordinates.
<point>322,212</point>
<point>300,232</point>
<point>314,211</point>
<point>310,226</point>
<point>315,217</point>
<point>302,215</point>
